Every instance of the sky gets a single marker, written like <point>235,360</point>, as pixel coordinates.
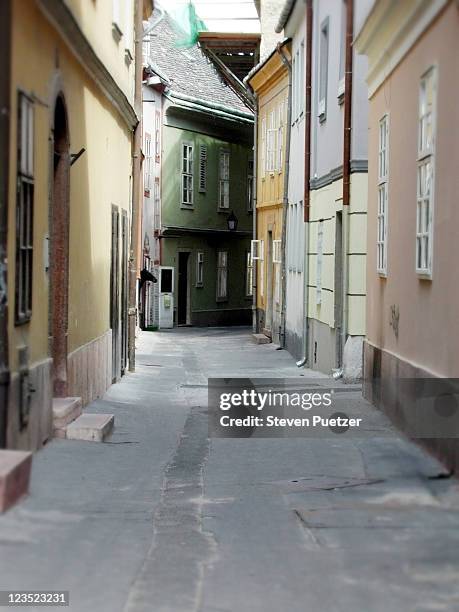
<point>224,16</point>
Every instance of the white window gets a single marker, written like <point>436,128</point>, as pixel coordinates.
<point>129,27</point>
<point>295,242</point>
<point>202,169</point>
<point>147,165</point>
<point>224,179</point>
<point>294,88</point>
<point>199,269</point>
<point>277,254</point>
<point>319,261</point>
<point>257,249</point>
<point>25,206</point>
<point>157,207</point>
<point>271,143</point>
<point>342,54</point>
<point>323,71</point>
<point>158,136</point>
<point>250,185</point>
<point>117,17</point>
<point>248,274</point>
<point>222,275</point>
<point>383,171</point>
<point>263,146</point>
<point>187,174</point>
<point>280,137</point>
<point>425,173</point>
<point>146,49</point>
<point>301,80</point>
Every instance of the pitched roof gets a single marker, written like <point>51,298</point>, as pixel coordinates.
<point>188,71</point>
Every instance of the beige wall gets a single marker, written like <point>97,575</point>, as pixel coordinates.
<point>429,309</point>
<point>100,178</point>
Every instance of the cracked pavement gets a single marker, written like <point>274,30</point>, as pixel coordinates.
<point>161,518</point>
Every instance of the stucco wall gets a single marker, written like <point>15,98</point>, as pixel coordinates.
<point>429,323</point>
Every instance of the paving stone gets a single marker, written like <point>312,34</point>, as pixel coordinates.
<point>260,339</point>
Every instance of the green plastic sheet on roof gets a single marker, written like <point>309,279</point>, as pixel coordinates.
<point>187,25</point>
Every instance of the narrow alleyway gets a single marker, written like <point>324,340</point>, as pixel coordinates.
<point>159,518</point>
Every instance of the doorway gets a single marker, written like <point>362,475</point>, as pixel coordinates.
<point>115,294</point>
<point>59,249</point>
<point>269,286</point>
<point>124,290</point>
<point>339,258</point>
<point>183,303</point>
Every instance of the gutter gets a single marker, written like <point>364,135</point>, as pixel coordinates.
<point>213,106</point>
<point>285,15</point>
<point>288,65</point>
<point>5,64</point>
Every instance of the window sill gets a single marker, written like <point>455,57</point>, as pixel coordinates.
<point>128,59</point>
<point>221,300</point>
<point>382,274</point>
<point>424,275</point>
<point>116,32</point>
<point>224,211</point>
<point>199,286</point>
<point>322,117</point>
<point>187,206</point>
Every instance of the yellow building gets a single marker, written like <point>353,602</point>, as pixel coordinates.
<point>72,118</point>
<point>270,83</point>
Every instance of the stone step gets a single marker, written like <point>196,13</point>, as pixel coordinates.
<point>261,339</point>
<point>65,410</point>
<point>15,469</point>
<point>91,427</point>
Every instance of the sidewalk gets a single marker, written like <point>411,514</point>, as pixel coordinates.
<point>160,518</point>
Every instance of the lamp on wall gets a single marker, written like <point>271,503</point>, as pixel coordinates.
<point>232,222</point>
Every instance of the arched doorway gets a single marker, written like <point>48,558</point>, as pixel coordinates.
<point>59,248</point>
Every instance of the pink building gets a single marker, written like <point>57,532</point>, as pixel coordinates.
<point>413,216</point>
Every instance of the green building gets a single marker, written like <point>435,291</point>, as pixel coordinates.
<point>206,185</point>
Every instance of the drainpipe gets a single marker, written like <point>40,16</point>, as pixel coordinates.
<point>254,215</point>
<point>288,65</point>
<point>307,172</point>
<point>5,57</point>
<point>136,180</point>
<point>347,161</point>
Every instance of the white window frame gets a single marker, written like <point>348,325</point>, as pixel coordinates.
<point>187,168</point>
<point>157,206</point>
<point>248,274</point>
<point>147,165</point>
<point>383,195</point>
<point>200,269</point>
<point>257,250</point>
<point>277,251</point>
<point>222,276</point>
<point>324,53</point>
<point>224,179</point>
<point>271,143</point>
<point>280,137</point>
<point>116,18</point>
<point>157,136</point>
<point>425,185</point>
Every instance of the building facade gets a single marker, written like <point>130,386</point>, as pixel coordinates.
<point>412,304</point>
<point>270,83</point>
<point>206,218</point>
<point>72,118</point>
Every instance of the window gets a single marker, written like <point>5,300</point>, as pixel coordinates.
<point>248,274</point>
<point>323,71</point>
<point>301,79</point>
<point>263,146</point>
<point>158,136</point>
<point>425,174</point>
<point>250,185</point>
<point>223,198</point>
<point>157,207</point>
<point>25,205</point>
<point>129,28</point>
<point>147,165</point>
<point>294,88</point>
<point>271,143</point>
<point>199,269</point>
<point>295,242</point>
<point>187,174</point>
<point>202,169</point>
<point>256,249</point>
<point>298,75</point>
<point>383,165</point>
<point>117,19</point>
<point>222,275</point>
<point>277,254</point>
<point>146,49</point>
<point>319,261</point>
<point>280,137</point>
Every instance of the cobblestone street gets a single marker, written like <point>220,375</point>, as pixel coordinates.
<point>161,518</point>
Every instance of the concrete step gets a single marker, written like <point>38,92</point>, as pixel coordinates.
<point>15,469</point>
<point>65,410</point>
<point>91,427</point>
<point>260,339</point>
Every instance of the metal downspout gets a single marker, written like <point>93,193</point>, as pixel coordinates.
<point>288,64</point>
